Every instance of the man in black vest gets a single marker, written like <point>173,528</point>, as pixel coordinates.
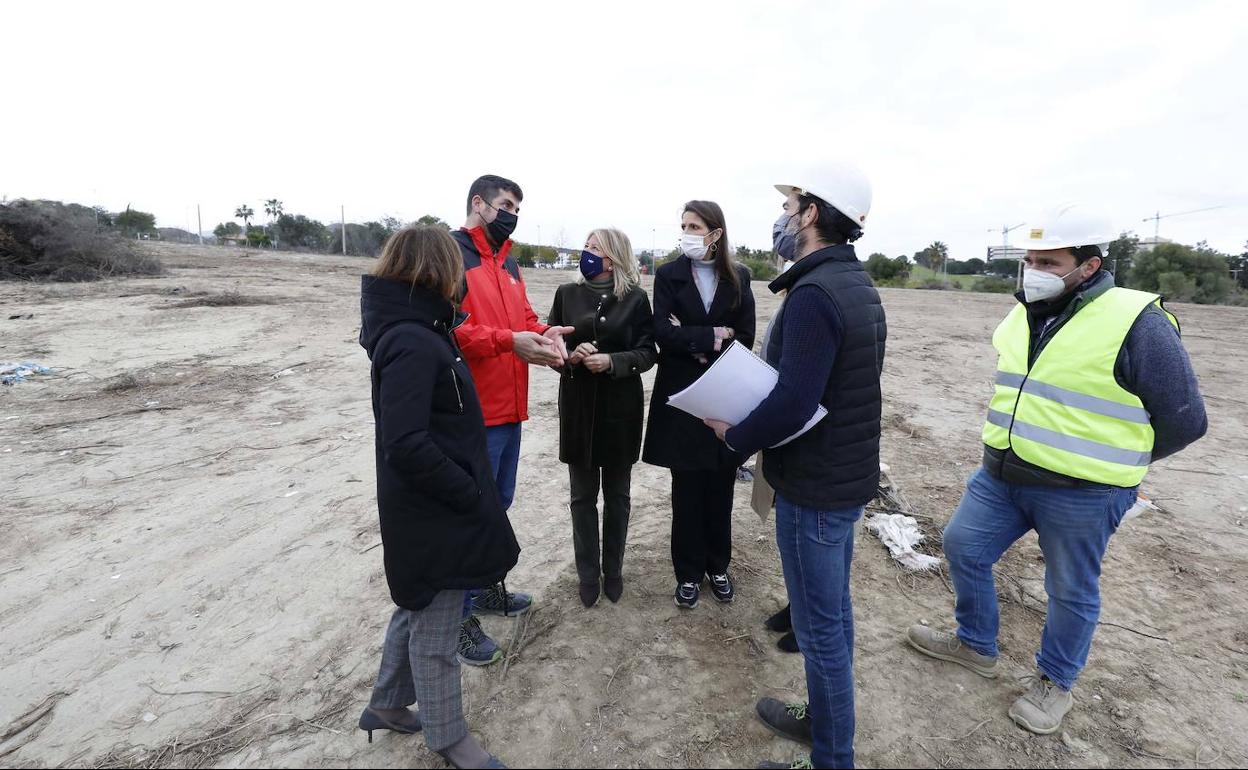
<point>827,342</point>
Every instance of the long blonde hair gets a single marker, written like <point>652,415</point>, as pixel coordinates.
<point>616,247</point>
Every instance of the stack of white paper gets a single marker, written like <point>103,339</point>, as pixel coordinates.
<point>732,388</point>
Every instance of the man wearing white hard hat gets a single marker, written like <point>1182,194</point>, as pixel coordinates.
<point>1092,385</point>
<point>827,342</point>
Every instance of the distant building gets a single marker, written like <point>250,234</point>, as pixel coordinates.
<point>1009,252</point>
<point>1148,244</point>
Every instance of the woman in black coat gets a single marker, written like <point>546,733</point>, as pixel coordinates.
<point>601,402</point>
<point>443,527</point>
<point>702,301</point>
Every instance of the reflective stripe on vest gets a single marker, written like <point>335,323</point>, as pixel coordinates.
<point>1067,413</point>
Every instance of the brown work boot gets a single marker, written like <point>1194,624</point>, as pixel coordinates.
<point>944,646</point>
<point>1041,708</point>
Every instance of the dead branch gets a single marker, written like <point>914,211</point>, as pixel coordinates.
<point>974,730</point>
<point>49,426</point>
<point>32,715</point>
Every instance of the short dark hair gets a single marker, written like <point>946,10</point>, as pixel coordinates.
<point>489,186</point>
<point>831,225</point>
<point>1084,253</point>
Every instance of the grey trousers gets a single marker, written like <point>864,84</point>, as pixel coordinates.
<point>419,664</point>
<point>616,483</point>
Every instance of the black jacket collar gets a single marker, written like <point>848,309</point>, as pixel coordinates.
<point>385,302</point>
<point>840,253</point>
<point>682,269</point>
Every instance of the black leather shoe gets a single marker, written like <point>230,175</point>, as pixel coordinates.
<point>781,622</point>
<point>370,721</point>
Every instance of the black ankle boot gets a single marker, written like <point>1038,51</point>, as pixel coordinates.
<point>781,622</point>
<point>613,587</point>
<point>589,594</point>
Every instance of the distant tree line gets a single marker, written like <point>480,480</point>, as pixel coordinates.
<point>1181,273</point>
<point>50,239</point>
<point>301,233</point>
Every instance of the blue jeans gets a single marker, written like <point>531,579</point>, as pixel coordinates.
<point>503,443</point>
<point>1074,526</point>
<point>816,549</point>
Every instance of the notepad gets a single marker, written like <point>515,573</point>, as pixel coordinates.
<point>732,388</point>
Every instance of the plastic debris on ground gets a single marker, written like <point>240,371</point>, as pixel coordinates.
<point>899,532</point>
<point>13,373</point>
<point>1142,504</point>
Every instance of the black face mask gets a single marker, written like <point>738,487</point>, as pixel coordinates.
<point>502,227</point>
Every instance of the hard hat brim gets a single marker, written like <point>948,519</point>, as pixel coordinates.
<point>1026,246</point>
<point>1040,246</point>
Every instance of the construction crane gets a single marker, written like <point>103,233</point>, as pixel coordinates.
<point>1156,219</point>
<point>1005,249</point>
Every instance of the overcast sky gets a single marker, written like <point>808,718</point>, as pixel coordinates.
<point>966,115</point>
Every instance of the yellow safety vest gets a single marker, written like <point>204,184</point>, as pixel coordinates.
<point>1067,413</point>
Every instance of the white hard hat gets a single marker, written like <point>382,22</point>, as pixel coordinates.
<point>1068,226</point>
<point>841,185</point>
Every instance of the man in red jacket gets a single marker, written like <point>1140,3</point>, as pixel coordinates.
<point>500,339</point>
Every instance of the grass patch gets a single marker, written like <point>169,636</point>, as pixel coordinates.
<point>923,277</point>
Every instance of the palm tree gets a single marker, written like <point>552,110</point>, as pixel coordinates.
<point>245,213</point>
<point>273,207</point>
<point>939,255</point>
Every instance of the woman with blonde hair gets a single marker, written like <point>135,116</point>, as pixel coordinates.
<point>601,402</point>
<point>443,527</point>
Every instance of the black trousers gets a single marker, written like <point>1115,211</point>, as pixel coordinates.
<point>615,483</point>
<point>702,523</point>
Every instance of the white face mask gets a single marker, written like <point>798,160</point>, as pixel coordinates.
<point>692,246</point>
<point>1039,285</point>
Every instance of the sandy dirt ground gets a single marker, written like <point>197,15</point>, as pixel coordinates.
<point>190,572</point>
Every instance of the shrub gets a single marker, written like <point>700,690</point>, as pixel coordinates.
<point>882,269</point>
<point>937,285</point>
<point>994,285</point>
<point>1183,273</point>
<point>760,269</point>
<point>892,283</point>
<point>49,240</point>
